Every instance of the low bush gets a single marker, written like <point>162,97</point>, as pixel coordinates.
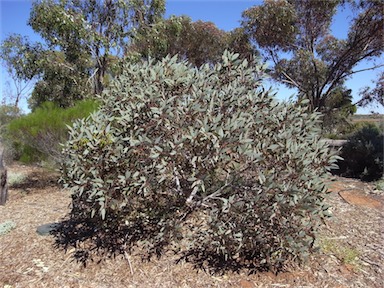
<point>7,114</point>
<point>16,178</point>
<point>203,159</point>
<point>6,227</point>
<point>37,136</point>
<point>363,154</point>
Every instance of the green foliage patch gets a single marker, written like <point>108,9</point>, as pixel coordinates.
<point>345,253</point>
<point>38,135</point>
<point>203,160</point>
<point>15,178</point>
<point>7,114</point>
<point>6,227</point>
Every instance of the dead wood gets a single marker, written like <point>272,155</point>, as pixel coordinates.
<point>3,180</point>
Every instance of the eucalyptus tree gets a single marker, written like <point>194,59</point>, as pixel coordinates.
<point>198,41</point>
<point>375,94</point>
<point>84,41</point>
<point>20,59</point>
<point>296,36</point>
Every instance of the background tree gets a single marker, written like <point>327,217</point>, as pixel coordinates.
<point>199,42</point>
<point>296,36</point>
<point>66,59</point>
<point>63,81</point>
<point>19,57</point>
<point>7,114</point>
<point>85,41</point>
<point>376,94</point>
<point>239,41</point>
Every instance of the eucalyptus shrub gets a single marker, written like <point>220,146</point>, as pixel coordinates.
<point>202,158</point>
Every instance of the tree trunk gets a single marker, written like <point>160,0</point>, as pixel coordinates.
<point>3,180</point>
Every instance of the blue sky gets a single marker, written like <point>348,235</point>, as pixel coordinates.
<point>226,14</point>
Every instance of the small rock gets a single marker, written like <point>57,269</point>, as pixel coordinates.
<point>46,229</point>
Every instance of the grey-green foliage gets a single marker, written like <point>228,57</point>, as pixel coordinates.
<point>205,155</point>
<point>6,227</point>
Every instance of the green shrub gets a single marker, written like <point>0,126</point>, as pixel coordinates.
<point>379,184</point>
<point>363,154</point>
<point>6,227</point>
<point>37,136</point>
<point>199,156</point>
<point>7,114</point>
<point>29,154</point>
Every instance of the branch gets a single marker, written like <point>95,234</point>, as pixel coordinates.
<point>362,70</point>
<point>66,66</point>
<point>92,76</point>
<point>349,51</point>
<point>274,56</point>
<point>343,72</point>
<point>291,81</point>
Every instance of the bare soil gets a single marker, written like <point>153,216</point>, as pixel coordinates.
<point>351,246</point>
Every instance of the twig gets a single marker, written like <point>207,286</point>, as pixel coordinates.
<point>129,262</point>
<point>336,238</point>
<point>370,262</point>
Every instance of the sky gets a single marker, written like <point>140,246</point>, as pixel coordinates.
<point>225,14</point>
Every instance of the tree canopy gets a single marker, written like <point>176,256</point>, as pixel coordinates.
<point>20,58</point>
<point>375,94</point>
<point>198,42</point>
<point>296,36</point>
<point>84,41</point>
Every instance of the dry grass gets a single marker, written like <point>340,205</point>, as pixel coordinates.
<point>377,119</point>
<point>30,260</point>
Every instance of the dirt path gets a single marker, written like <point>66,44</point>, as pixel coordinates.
<point>351,244</point>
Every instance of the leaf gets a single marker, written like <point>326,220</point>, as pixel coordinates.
<point>154,155</point>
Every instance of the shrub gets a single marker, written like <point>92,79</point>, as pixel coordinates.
<point>202,155</point>
<point>37,136</point>
<point>363,154</point>
<point>7,114</point>
<point>6,227</point>
<point>379,185</point>
<point>16,178</point>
